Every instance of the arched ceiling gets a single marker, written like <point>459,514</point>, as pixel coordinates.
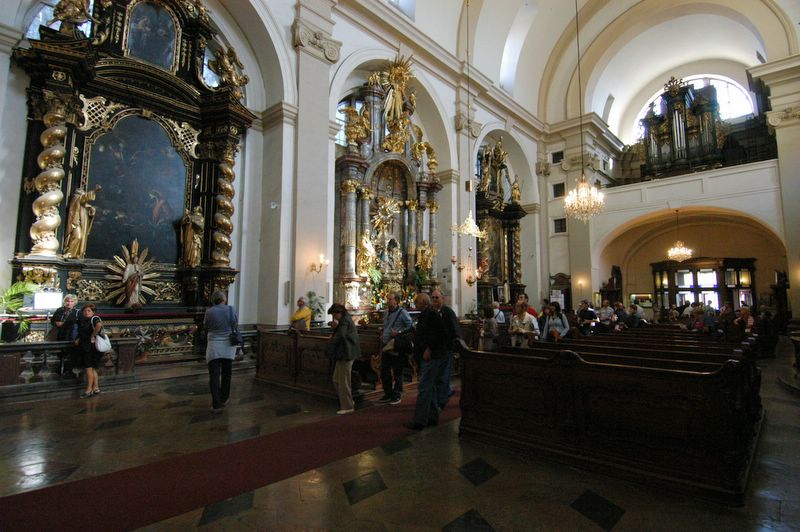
<point>528,47</point>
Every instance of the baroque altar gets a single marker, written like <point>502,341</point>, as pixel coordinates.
<point>387,208</point>
<point>127,199</point>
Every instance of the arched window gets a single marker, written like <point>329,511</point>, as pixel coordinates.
<point>734,100</point>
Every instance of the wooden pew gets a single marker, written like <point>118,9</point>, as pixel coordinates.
<point>687,425</point>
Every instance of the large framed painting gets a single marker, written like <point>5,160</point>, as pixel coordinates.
<point>152,34</point>
<point>143,195</point>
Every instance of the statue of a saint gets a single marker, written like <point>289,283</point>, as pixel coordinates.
<point>192,237</point>
<point>516,193</point>
<point>424,257</point>
<point>79,222</point>
<point>485,158</point>
<point>366,256</point>
<point>499,166</point>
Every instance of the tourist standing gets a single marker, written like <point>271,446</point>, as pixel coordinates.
<point>88,357</point>
<point>429,350</point>
<point>397,321</point>
<point>346,349</point>
<point>65,327</point>
<point>219,322</point>
<point>453,333</point>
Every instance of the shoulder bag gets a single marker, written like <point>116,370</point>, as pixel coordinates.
<point>236,335</point>
<point>101,341</point>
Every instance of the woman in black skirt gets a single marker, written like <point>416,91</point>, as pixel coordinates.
<point>87,356</point>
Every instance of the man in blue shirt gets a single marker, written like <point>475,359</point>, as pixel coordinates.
<point>393,360</point>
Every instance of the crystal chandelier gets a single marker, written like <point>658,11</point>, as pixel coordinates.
<point>469,228</point>
<point>678,252</point>
<point>585,200</point>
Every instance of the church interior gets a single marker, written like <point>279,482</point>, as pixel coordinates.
<point>298,154</point>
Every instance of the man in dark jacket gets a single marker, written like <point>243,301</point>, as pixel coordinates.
<point>429,350</point>
<point>452,334</point>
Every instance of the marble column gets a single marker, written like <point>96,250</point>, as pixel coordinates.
<point>365,199</point>
<point>411,251</point>
<point>433,208</point>
<point>348,226</point>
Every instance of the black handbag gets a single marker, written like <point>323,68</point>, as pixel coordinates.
<point>404,342</point>
<point>236,335</point>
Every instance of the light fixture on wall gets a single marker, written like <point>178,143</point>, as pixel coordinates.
<point>317,267</point>
<point>585,200</point>
<point>678,252</point>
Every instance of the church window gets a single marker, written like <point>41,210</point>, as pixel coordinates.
<point>210,78</point>
<point>557,156</point>
<point>558,190</point>
<point>559,225</point>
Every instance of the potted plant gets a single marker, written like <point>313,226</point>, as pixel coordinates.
<point>11,300</point>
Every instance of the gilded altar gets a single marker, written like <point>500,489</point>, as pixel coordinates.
<point>133,131</point>
<point>387,184</point>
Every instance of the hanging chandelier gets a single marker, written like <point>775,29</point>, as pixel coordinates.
<point>585,200</point>
<point>469,228</point>
<point>678,252</point>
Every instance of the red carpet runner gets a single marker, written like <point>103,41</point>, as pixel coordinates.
<point>153,492</point>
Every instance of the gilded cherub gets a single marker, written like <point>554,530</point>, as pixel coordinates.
<point>71,13</point>
<point>358,125</point>
<point>366,256</point>
<point>226,66</point>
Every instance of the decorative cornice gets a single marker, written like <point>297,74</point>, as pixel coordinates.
<point>787,117</point>
<point>311,39</point>
<point>9,38</point>
<point>282,112</point>
<point>531,208</point>
<point>446,177</point>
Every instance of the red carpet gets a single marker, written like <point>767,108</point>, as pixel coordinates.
<point>153,492</point>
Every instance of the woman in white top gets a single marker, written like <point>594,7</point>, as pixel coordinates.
<point>523,328</point>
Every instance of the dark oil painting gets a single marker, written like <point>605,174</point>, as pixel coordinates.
<point>143,180</point>
<point>151,35</point>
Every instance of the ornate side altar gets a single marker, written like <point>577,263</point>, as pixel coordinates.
<point>387,183</point>
<point>499,262</point>
<point>133,131</point>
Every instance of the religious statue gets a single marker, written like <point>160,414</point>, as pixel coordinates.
<point>225,67</point>
<point>516,193</point>
<point>192,225</point>
<point>383,221</point>
<point>396,259</point>
<point>366,256</point>
<point>132,273</point>
<point>424,261</point>
<point>358,125</point>
<point>79,222</point>
<point>71,13</point>
<point>398,104</point>
<point>499,165</point>
<point>485,159</point>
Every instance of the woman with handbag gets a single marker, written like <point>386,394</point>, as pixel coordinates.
<point>220,324</point>
<point>86,353</point>
<point>344,349</point>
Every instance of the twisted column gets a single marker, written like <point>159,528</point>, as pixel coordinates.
<point>433,208</point>
<point>223,226</point>
<point>48,182</point>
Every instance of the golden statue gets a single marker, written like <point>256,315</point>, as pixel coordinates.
<point>485,158</point>
<point>79,222</point>
<point>398,104</point>
<point>516,193</point>
<point>424,261</point>
<point>383,221</point>
<point>225,67</point>
<point>422,148</point>
<point>358,125</point>
<point>366,256</point>
<point>192,225</point>
<point>499,165</point>
<point>132,273</point>
<point>71,13</point>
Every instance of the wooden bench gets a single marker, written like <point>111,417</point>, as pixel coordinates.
<point>689,425</point>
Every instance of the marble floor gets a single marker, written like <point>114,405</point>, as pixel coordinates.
<point>430,480</point>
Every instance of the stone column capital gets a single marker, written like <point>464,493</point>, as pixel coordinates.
<point>349,186</point>
<point>789,116</point>
<point>314,41</point>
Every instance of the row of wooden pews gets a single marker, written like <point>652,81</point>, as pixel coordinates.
<point>663,406</point>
